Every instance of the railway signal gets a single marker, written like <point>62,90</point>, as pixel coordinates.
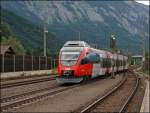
<point>113,47</point>
<point>112,42</point>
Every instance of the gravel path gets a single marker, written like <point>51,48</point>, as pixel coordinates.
<point>72,99</point>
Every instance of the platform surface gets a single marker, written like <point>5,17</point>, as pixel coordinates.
<point>145,103</point>
<point>24,73</point>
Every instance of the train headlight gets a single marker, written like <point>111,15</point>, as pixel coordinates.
<point>68,72</point>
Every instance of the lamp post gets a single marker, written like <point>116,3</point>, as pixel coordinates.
<point>45,31</point>
<point>113,47</point>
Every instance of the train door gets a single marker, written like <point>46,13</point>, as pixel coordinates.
<point>96,66</point>
<point>115,63</point>
<point>96,70</point>
<point>100,65</point>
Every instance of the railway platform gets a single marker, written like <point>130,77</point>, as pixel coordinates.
<point>24,73</point>
<point>145,103</point>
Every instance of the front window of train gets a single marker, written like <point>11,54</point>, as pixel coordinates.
<point>69,58</point>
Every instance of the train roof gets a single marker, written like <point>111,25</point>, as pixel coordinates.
<point>80,45</point>
<point>76,44</point>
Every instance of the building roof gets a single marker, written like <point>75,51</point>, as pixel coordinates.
<point>137,56</point>
<point>6,50</point>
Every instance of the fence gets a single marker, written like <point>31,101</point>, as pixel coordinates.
<point>12,63</point>
<point>146,66</point>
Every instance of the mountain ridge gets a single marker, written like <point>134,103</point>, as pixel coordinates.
<point>96,20</point>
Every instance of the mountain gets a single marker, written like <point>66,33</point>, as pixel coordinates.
<point>96,20</point>
<point>30,34</point>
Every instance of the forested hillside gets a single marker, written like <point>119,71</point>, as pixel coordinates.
<point>29,34</point>
<point>9,39</point>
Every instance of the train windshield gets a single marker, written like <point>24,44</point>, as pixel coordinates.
<point>69,58</point>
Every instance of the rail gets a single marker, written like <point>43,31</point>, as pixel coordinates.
<point>25,82</point>
<point>130,97</point>
<point>101,99</point>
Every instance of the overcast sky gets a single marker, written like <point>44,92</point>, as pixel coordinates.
<point>145,2</point>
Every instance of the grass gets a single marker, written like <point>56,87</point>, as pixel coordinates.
<point>54,71</point>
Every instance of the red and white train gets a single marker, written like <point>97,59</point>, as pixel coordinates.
<point>78,61</point>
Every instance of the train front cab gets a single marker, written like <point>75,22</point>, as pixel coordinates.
<point>70,71</point>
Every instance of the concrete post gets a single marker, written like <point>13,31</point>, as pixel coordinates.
<point>23,64</point>
<point>32,62</point>
<point>54,62</point>
<point>46,62</point>
<point>14,59</point>
<point>51,63</point>
<point>3,63</point>
<point>39,63</point>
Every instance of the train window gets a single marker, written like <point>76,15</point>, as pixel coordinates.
<point>87,53</point>
<point>123,63</point>
<point>114,62</point>
<point>108,62</point>
<point>85,60</point>
<point>86,44</point>
<point>70,55</point>
<point>111,62</point>
<point>103,62</point>
<point>91,58</point>
<point>117,63</point>
<point>69,58</point>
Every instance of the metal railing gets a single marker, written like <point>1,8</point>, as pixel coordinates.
<point>14,63</point>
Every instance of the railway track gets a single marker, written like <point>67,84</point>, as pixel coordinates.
<point>33,96</point>
<point>30,97</point>
<point>25,82</point>
<point>18,96</point>
<point>117,99</point>
<point>100,105</point>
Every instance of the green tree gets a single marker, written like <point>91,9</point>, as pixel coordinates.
<point>7,38</point>
<point>5,30</point>
<point>38,51</point>
<point>147,55</point>
<point>15,44</point>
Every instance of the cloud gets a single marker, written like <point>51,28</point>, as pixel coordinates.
<point>143,2</point>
